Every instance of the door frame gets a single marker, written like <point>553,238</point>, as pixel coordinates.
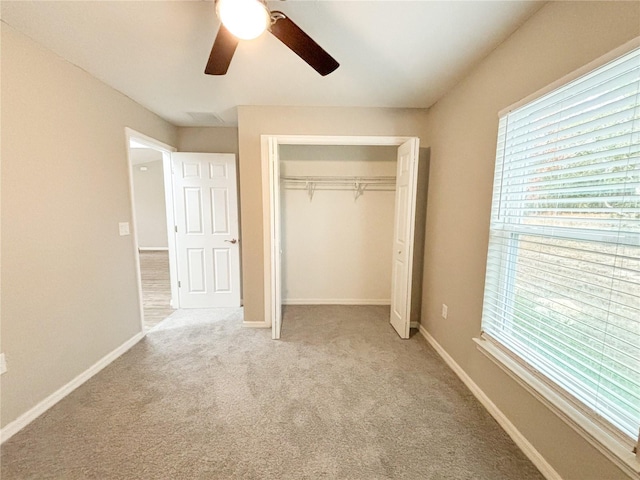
<point>271,217</point>
<point>166,150</point>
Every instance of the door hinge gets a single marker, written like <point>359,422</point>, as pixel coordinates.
<point>175,227</point>
<point>179,284</point>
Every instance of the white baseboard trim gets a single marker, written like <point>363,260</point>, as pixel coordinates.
<point>29,416</point>
<point>529,450</point>
<point>415,325</point>
<point>256,325</point>
<point>335,301</point>
<point>153,249</point>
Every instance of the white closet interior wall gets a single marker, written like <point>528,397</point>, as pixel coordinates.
<point>336,248</point>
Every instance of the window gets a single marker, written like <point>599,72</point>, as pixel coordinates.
<point>562,290</point>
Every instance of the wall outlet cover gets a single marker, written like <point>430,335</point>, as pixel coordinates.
<point>445,310</point>
<point>123,228</point>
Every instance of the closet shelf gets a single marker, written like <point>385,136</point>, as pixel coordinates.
<point>355,183</point>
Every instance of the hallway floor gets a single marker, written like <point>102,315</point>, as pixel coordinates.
<point>156,286</point>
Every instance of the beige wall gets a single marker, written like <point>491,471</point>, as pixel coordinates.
<point>208,139</point>
<point>255,121</point>
<point>68,279</point>
<point>337,249</point>
<point>69,292</point>
<point>461,132</point>
<point>149,200</point>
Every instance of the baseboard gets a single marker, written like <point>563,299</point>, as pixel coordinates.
<point>415,325</point>
<point>335,301</point>
<point>29,416</point>
<point>256,325</point>
<point>153,249</point>
<point>529,450</point>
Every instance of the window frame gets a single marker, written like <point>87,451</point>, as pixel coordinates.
<point>615,445</point>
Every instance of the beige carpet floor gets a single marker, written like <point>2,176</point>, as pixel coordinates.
<point>340,397</point>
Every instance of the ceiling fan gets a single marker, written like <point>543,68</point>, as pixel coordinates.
<point>247,19</point>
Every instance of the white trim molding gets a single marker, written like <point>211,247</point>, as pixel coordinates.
<point>256,324</point>
<point>611,447</point>
<point>269,144</point>
<point>527,448</point>
<point>29,416</point>
<point>375,140</point>
<point>153,249</point>
<point>166,151</point>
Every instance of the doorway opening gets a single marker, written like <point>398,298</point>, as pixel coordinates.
<point>152,215</point>
<point>400,259</point>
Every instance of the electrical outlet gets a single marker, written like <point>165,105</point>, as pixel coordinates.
<point>123,228</point>
<point>445,310</point>
<point>3,364</point>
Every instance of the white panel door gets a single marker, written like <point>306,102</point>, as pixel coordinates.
<point>403,234</point>
<point>206,216</point>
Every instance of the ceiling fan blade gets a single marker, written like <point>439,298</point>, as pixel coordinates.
<point>222,52</point>
<point>302,44</point>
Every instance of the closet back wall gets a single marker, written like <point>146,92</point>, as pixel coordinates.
<point>337,250</point>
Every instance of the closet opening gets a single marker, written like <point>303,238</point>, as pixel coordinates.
<point>336,210</point>
<point>342,216</point>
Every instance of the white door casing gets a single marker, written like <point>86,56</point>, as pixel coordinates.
<point>404,228</point>
<point>166,150</point>
<point>274,164</point>
<point>206,230</point>
<point>403,236</point>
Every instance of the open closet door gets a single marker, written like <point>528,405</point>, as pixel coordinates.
<point>276,249</point>
<point>403,235</point>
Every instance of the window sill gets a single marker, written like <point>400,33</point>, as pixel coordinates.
<point>610,446</point>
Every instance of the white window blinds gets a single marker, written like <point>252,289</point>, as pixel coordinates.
<point>563,270</point>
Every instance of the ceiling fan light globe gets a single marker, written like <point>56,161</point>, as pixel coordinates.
<point>246,19</point>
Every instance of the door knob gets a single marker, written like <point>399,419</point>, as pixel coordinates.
<point>233,240</point>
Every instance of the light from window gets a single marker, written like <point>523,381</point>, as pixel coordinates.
<point>562,286</point>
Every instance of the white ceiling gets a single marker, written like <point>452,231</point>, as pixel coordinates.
<point>392,53</point>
